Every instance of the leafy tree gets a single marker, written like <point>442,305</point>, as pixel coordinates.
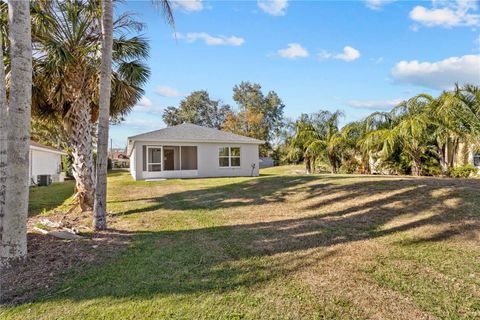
<point>50,132</point>
<point>199,109</point>
<point>253,104</point>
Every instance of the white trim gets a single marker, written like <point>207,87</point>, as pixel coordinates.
<point>190,173</point>
<point>48,150</point>
<point>155,163</point>
<point>195,141</point>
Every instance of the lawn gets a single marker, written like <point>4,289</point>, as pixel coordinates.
<point>44,199</point>
<point>279,246</point>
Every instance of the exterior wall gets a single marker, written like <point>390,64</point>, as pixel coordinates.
<point>207,165</point>
<point>44,162</point>
<point>132,166</point>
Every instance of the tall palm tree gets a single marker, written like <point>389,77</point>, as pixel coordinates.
<point>14,221</point>
<point>100,206</point>
<point>67,36</point>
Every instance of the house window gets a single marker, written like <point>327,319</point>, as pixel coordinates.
<point>229,157</point>
<point>154,159</point>
<point>476,160</point>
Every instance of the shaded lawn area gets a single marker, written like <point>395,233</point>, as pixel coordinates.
<point>281,246</point>
<point>46,198</point>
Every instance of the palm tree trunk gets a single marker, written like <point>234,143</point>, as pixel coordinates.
<point>307,164</point>
<point>416,165</point>
<point>3,137</point>
<point>333,164</point>
<point>443,162</point>
<point>79,127</point>
<point>454,152</point>
<point>366,165</point>
<point>14,235</point>
<point>100,208</point>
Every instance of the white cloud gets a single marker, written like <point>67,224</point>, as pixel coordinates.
<point>141,123</point>
<point>188,5</point>
<point>145,105</point>
<point>348,54</point>
<point>377,4</point>
<point>294,51</point>
<point>441,74</point>
<point>144,102</point>
<point>374,104</point>
<point>447,14</point>
<point>212,40</point>
<point>165,91</point>
<point>377,60</point>
<point>273,7</point>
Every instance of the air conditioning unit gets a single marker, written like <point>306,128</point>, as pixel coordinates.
<point>44,179</point>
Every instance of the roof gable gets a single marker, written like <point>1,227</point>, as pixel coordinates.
<point>188,132</point>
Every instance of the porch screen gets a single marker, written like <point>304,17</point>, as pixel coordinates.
<point>189,158</point>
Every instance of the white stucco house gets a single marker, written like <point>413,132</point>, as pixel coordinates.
<point>45,160</point>
<point>189,151</point>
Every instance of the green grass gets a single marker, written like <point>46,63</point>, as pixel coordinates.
<point>44,199</point>
<point>280,246</point>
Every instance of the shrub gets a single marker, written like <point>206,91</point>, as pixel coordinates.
<point>464,171</point>
<point>67,165</point>
<point>349,166</point>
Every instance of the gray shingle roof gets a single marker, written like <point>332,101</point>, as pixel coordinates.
<point>188,132</point>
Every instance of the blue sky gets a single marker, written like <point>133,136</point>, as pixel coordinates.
<point>356,56</point>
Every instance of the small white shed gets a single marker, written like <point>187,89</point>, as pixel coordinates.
<point>45,160</point>
<point>188,151</point>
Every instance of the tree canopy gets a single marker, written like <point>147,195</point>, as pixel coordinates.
<point>197,108</point>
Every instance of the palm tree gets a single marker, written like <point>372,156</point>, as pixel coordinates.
<point>409,126</point>
<point>100,207</point>
<point>318,137</point>
<point>14,221</point>
<point>66,37</point>
<point>457,117</point>
<point>3,137</point>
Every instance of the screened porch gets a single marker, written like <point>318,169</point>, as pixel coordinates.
<point>161,160</point>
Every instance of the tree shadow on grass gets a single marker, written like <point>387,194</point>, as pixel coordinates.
<point>255,191</point>
<point>223,258</point>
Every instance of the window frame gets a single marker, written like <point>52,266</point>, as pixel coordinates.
<point>476,156</point>
<point>154,163</point>
<point>229,157</point>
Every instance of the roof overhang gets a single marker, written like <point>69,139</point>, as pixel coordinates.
<point>131,142</point>
<point>49,150</point>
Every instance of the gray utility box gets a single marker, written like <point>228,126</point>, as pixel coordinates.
<point>44,179</point>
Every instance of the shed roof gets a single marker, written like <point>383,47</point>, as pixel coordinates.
<point>36,145</point>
